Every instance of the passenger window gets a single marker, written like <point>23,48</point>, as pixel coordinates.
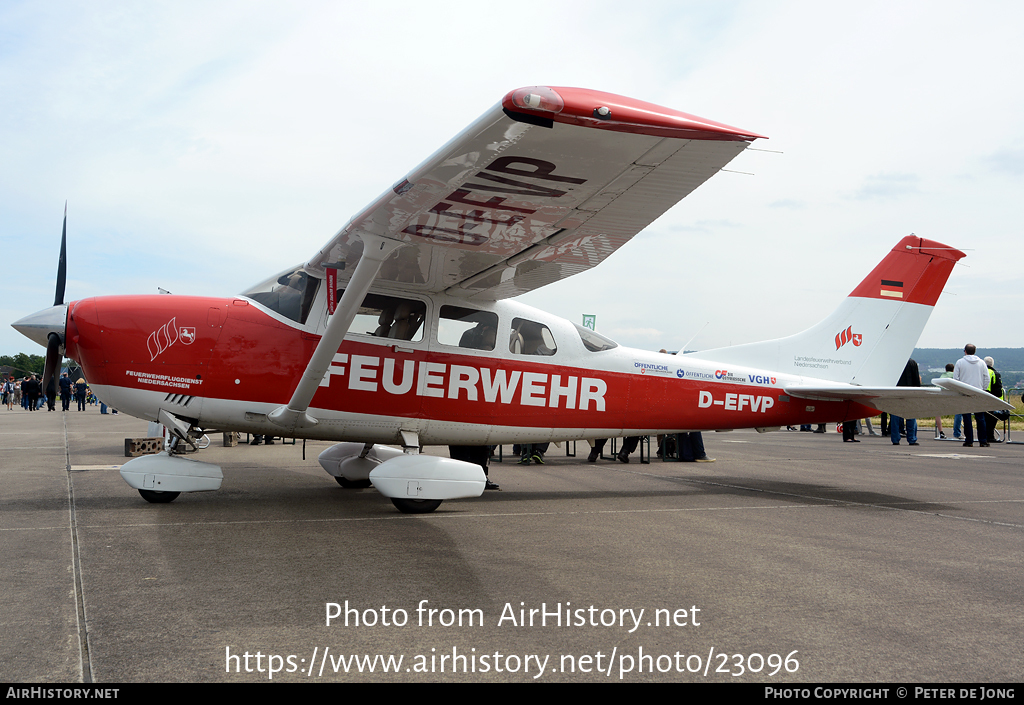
<point>531,338</point>
<point>467,328</point>
<point>389,317</point>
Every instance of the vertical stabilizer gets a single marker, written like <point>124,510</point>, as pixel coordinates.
<point>869,338</point>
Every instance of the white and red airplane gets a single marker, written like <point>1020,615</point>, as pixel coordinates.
<point>400,330</point>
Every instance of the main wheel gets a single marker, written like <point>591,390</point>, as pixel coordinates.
<point>158,497</point>
<point>416,506</point>
<point>353,484</point>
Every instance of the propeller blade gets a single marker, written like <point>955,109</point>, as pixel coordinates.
<point>62,264</point>
<point>53,360</point>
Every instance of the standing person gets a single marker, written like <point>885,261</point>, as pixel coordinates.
<point>80,392</point>
<point>595,451</point>
<point>532,452</point>
<point>478,455</point>
<point>911,377</point>
<point>938,419</point>
<point>51,394</point>
<point>995,388</point>
<point>65,392</point>
<point>691,448</point>
<point>31,391</point>
<point>971,369</point>
<point>629,444</point>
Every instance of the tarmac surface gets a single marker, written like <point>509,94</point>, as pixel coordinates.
<point>793,553</point>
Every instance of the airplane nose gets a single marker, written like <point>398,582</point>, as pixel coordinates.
<point>39,325</point>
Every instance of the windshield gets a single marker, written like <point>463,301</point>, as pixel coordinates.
<point>290,293</point>
<point>595,342</point>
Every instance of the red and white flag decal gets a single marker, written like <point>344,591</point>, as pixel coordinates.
<point>332,290</point>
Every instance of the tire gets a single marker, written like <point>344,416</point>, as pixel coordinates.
<point>353,484</point>
<point>157,497</point>
<point>416,506</point>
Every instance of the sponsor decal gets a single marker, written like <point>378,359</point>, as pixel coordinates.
<point>645,367</point>
<point>761,379</point>
<point>848,336</point>
<point>736,402</point>
<point>694,374</point>
<point>726,376</point>
<point>463,382</point>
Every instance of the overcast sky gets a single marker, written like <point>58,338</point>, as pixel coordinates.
<point>203,146</point>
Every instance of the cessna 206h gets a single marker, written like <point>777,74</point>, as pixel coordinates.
<point>400,331</point>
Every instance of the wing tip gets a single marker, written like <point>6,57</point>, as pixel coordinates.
<point>600,110</point>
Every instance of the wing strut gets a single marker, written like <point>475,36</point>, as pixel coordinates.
<point>375,250</point>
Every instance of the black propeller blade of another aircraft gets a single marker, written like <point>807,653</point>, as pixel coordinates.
<point>53,341</point>
<point>62,263</point>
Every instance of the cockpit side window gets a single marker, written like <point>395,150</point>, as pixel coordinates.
<point>290,293</point>
<point>531,338</point>
<point>467,328</point>
<point>389,317</point>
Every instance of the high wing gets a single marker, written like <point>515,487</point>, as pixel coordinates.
<point>949,397</point>
<point>546,184</point>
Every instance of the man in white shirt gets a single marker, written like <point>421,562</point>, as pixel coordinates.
<point>972,370</point>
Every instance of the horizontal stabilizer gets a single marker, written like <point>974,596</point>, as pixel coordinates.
<point>948,397</point>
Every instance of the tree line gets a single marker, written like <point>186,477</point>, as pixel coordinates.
<point>23,364</point>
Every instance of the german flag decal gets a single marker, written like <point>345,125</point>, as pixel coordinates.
<point>892,289</point>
